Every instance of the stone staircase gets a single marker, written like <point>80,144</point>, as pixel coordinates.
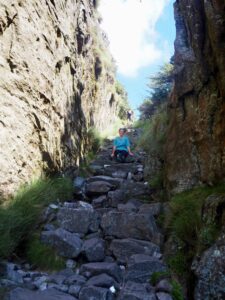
<point>109,236</point>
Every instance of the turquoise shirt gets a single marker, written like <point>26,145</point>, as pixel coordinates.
<point>121,143</point>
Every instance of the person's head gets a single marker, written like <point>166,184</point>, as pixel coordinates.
<point>122,131</point>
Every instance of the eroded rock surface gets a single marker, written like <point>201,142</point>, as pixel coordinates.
<point>54,85</point>
<point>195,150</point>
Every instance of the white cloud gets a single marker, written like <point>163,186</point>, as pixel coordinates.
<point>130,26</point>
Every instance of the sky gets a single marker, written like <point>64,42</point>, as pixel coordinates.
<point>141,35</point>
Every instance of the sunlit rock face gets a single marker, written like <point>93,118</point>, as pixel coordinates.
<point>195,149</point>
<point>55,83</point>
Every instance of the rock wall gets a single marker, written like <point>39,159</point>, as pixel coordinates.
<point>56,82</point>
<point>195,148</point>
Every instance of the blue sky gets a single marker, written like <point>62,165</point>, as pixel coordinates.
<point>141,35</point>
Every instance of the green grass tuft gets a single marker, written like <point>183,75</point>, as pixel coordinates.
<point>157,276</point>
<point>42,256</point>
<point>177,293</point>
<point>21,214</point>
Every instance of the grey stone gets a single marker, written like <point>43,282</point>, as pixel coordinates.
<point>100,202</point>
<point>209,271</point>
<point>98,188</point>
<point>102,280</point>
<point>94,249</point>
<point>79,220</point>
<point>129,207</point>
<point>95,293</point>
<point>133,225</point>
<point>111,269</point>
<point>164,286</point>
<point>115,198</point>
<point>70,264</point>
<point>113,181</point>
<point>141,267</point>
<point>120,174</point>
<point>49,294</point>
<point>153,208</point>
<point>75,279</point>
<point>136,291</point>
<point>74,290</point>
<point>66,244</point>
<point>122,249</point>
<point>49,227</point>
<point>163,296</point>
<point>56,278</point>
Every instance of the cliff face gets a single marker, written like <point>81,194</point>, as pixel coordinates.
<point>195,148</point>
<point>55,83</point>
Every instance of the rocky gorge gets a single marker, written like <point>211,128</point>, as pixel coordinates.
<point>57,81</point>
<point>119,236</point>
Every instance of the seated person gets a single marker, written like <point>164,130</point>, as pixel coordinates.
<point>121,146</point>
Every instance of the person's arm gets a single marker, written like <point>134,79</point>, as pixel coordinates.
<point>128,147</point>
<point>129,151</point>
<point>113,151</point>
<point>114,148</point>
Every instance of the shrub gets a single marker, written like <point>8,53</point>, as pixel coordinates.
<point>20,216</point>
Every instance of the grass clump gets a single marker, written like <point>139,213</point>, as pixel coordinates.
<point>177,293</point>
<point>189,230</point>
<point>42,256</point>
<point>157,276</point>
<point>20,215</point>
<point>157,180</point>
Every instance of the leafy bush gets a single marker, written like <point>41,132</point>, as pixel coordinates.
<point>21,214</point>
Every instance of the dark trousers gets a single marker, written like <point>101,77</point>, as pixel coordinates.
<point>121,155</point>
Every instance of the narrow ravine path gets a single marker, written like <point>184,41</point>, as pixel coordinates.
<point>109,237</point>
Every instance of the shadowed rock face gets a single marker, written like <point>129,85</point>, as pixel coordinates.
<point>195,149</point>
<point>54,85</point>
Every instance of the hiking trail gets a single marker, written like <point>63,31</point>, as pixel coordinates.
<point>109,236</point>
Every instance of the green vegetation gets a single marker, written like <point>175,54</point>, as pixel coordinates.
<point>123,101</point>
<point>177,293</point>
<point>154,132</point>
<point>176,290</point>
<point>157,276</point>
<point>42,256</point>
<point>159,88</point>
<point>157,180</point>
<point>20,215</point>
<point>190,232</point>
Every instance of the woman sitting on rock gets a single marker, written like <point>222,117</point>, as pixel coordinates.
<point>121,146</point>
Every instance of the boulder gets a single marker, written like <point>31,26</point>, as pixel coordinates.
<point>94,249</point>
<point>102,280</point>
<point>136,291</point>
<point>163,296</point>
<point>164,286</point>
<point>79,220</point>
<point>111,269</point>
<point>65,243</point>
<point>75,279</point>
<point>123,249</point>
<point>100,201</point>
<point>141,267</point>
<point>209,271</point>
<point>49,294</point>
<point>115,198</point>
<point>152,208</point>
<point>133,225</point>
<point>95,293</point>
<point>113,181</point>
<point>97,188</point>
<point>129,207</point>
